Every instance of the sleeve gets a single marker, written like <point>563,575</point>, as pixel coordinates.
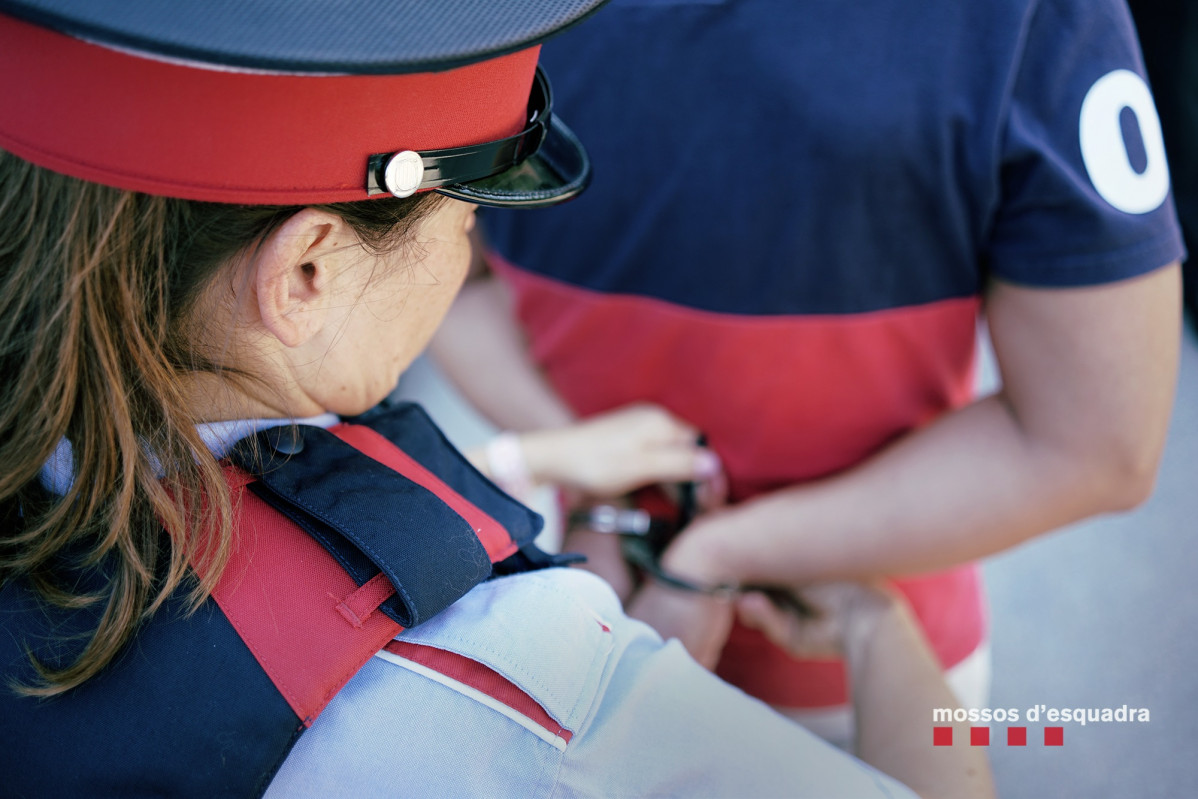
<point>1085,188</point>
<point>668,727</point>
<point>537,685</point>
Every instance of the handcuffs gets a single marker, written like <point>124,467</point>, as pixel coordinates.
<point>644,536</point>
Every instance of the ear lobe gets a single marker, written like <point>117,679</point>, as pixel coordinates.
<point>292,275</point>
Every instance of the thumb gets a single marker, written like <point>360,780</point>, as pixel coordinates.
<point>756,611</point>
<point>816,637</point>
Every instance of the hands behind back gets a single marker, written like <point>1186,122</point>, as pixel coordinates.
<point>828,620</point>
<point>846,615</point>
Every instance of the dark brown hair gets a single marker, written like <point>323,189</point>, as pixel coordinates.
<point>97,290</point>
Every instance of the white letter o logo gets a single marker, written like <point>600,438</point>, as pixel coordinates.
<point>1105,153</point>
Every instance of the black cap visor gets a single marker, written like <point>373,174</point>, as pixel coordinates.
<point>558,171</point>
<point>543,164</point>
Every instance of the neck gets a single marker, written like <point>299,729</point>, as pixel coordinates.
<point>230,396</point>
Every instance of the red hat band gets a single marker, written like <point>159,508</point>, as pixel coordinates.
<point>203,133</point>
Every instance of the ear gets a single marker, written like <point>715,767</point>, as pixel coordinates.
<point>295,272</point>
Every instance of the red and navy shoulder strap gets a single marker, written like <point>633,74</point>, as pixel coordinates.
<point>379,524</point>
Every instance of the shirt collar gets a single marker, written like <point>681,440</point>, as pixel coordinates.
<point>57,474</point>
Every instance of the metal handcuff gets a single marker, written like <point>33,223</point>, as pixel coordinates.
<point>643,538</point>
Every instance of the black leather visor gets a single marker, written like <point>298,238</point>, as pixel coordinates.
<point>543,164</point>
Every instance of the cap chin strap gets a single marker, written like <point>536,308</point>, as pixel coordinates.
<point>406,172</point>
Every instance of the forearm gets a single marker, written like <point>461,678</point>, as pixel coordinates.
<point>482,350</point>
<point>1077,429</point>
<point>896,684</point>
<point>968,486</point>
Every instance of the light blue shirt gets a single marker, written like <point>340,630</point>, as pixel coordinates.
<point>646,719</point>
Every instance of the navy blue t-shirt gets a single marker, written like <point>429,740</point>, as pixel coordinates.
<point>850,156</point>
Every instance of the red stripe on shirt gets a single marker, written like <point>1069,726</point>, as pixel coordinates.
<point>782,399</point>
<point>481,678</point>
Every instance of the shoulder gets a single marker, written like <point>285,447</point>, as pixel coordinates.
<point>515,662</point>
<point>1085,185</point>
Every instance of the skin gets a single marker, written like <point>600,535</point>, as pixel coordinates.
<point>613,453</point>
<point>331,326</point>
<point>895,681</point>
<point>327,324</point>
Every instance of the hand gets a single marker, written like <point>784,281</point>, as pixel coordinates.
<point>700,622</point>
<point>615,452</point>
<point>848,614</point>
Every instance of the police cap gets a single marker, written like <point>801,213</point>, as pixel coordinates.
<point>291,101</point>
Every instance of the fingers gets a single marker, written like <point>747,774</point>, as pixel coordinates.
<point>758,613</point>
<point>713,491</point>
<point>653,423</point>
<point>672,464</point>
<point>816,638</point>
<point>848,613</point>
<point>621,450</point>
<point>669,447</point>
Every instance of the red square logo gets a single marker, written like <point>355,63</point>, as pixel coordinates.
<point>1016,736</point>
<point>942,736</point>
<point>979,736</point>
<point>1054,736</point>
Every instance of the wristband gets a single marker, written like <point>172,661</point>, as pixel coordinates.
<point>509,470</point>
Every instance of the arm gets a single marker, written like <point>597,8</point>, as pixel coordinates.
<point>1077,429</point>
<point>896,684</point>
<point>482,350</point>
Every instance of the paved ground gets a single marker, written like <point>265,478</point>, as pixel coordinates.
<point>1099,615</point>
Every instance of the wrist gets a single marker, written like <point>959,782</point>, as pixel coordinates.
<point>508,466</point>
<point>870,612</point>
<point>704,552</point>
<point>542,450</point>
